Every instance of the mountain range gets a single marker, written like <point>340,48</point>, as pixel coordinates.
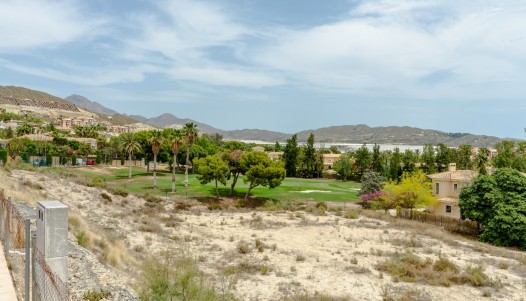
<point>335,134</point>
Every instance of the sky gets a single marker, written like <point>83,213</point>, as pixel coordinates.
<point>288,66</point>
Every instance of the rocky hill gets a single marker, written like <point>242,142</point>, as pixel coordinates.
<point>335,134</point>
<point>89,105</point>
<point>24,93</point>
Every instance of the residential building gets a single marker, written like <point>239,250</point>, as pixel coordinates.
<point>446,188</point>
<point>329,160</point>
<point>117,129</point>
<point>275,155</point>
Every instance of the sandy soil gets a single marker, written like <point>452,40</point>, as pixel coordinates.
<point>286,253</point>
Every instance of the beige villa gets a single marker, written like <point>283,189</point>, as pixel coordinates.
<point>446,188</point>
<point>329,159</point>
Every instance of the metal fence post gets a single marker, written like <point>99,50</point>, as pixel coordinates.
<point>28,259</point>
<point>33,285</point>
<point>1,214</point>
<point>8,226</point>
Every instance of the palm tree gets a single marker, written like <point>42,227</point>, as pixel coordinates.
<point>190,133</point>
<point>176,138</point>
<point>130,145</point>
<point>155,140</point>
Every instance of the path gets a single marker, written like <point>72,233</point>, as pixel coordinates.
<point>7,290</point>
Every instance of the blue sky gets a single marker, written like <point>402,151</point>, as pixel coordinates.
<point>456,66</point>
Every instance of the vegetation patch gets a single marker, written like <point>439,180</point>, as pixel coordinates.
<point>409,267</point>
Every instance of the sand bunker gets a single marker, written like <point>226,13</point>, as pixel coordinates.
<point>311,191</point>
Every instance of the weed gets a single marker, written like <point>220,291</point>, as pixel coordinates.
<point>119,191</point>
<point>243,247</point>
<point>300,258</point>
<point>260,246</point>
<point>106,197</point>
<point>97,295</point>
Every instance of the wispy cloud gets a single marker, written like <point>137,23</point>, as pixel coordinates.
<point>28,24</point>
<point>390,46</point>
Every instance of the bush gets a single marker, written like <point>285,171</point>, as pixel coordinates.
<point>97,182</point>
<point>119,191</point>
<point>97,295</point>
<point>106,197</point>
<point>176,278</point>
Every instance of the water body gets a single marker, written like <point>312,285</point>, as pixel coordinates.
<point>346,147</point>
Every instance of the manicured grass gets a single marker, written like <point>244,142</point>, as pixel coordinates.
<point>292,189</point>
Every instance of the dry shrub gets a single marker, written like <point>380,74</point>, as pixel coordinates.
<point>111,251</point>
<point>411,268</point>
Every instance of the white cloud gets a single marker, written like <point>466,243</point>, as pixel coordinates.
<point>83,75</point>
<point>389,46</point>
<point>26,24</point>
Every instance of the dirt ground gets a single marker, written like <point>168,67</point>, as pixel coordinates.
<point>261,255</point>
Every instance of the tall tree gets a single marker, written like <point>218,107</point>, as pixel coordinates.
<point>376,160</point>
<point>176,139</point>
<point>156,140</point>
<point>233,159</point>
<point>443,157</point>
<point>499,203</point>
<point>362,159</point>
<point>190,134</point>
<point>464,154</point>
<point>505,154</point>
<point>481,160</point>
<point>344,167</point>
<point>428,159</point>
<point>211,168</point>
<point>310,157</point>
<point>277,147</point>
<point>409,161</point>
<point>395,168</point>
<point>290,155</point>
<point>129,145</point>
<point>260,170</point>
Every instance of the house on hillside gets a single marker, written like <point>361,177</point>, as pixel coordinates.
<point>329,160</point>
<point>446,188</point>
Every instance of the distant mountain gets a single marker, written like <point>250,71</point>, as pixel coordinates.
<point>335,134</point>
<point>168,120</point>
<point>92,106</point>
<point>395,135</point>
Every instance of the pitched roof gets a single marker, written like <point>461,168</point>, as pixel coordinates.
<point>458,175</point>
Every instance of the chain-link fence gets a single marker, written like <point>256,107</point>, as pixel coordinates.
<point>17,221</point>
<point>47,286</point>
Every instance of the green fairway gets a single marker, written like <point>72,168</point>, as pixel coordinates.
<point>292,189</point>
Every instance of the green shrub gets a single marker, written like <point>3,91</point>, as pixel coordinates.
<point>119,191</point>
<point>97,295</point>
<point>106,197</point>
<point>176,278</point>
<point>97,182</point>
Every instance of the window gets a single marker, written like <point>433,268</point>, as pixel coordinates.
<point>448,209</point>
<point>437,188</point>
<point>455,186</point>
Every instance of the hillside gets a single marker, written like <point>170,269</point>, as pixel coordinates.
<point>89,105</point>
<point>335,134</point>
<point>396,135</point>
<point>22,93</point>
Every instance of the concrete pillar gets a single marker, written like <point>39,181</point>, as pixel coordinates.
<point>52,236</point>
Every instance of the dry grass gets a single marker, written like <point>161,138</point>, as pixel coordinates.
<point>18,191</point>
<point>108,249</point>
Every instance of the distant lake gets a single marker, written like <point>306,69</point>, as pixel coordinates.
<point>345,147</point>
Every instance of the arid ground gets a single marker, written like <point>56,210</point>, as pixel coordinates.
<point>271,255</point>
